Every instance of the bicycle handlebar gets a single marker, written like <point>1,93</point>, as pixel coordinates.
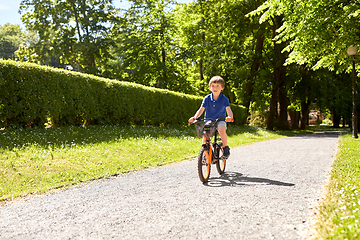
<point>211,119</point>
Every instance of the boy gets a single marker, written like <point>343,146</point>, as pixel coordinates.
<point>216,105</point>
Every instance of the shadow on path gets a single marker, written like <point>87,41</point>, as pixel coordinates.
<point>239,179</point>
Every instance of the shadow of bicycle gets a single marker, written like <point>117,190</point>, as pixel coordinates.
<point>239,179</point>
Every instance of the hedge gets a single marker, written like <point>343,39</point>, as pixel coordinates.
<point>31,94</point>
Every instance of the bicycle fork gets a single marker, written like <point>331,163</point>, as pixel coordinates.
<point>208,152</point>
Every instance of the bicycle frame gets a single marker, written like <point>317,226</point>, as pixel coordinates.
<point>208,138</point>
<point>210,151</point>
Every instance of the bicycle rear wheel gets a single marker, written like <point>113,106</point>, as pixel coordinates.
<point>221,162</point>
<point>203,165</point>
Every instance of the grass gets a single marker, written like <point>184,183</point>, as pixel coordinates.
<point>339,214</point>
<point>38,160</point>
<point>34,161</point>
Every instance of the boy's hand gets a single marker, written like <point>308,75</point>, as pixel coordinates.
<point>191,120</point>
<point>229,119</point>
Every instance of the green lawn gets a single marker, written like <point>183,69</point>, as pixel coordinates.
<point>38,160</point>
<point>339,213</point>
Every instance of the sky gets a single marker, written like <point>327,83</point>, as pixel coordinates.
<point>9,10</point>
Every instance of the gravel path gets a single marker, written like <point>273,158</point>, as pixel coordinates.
<point>266,193</point>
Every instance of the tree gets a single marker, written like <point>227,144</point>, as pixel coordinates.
<point>11,38</point>
<point>216,39</point>
<point>316,35</point>
<point>278,96</point>
<point>190,22</point>
<point>147,48</point>
<point>76,30</point>
<point>229,42</point>
<point>319,32</point>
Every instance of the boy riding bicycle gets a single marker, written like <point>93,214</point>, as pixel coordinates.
<point>216,105</point>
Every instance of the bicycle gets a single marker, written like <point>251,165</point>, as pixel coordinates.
<point>210,152</point>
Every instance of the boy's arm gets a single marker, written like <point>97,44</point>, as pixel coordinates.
<point>197,114</point>
<point>229,112</point>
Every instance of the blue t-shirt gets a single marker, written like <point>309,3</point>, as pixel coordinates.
<point>215,108</point>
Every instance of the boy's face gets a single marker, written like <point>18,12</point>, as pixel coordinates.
<point>216,88</point>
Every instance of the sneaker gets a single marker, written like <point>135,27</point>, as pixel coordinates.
<point>226,151</point>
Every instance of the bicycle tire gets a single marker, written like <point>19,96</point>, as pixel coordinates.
<point>204,167</point>
<point>221,162</point>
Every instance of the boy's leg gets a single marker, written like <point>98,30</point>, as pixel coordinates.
<point>223,135</point>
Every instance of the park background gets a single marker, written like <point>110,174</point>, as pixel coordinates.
<point>280,59</point>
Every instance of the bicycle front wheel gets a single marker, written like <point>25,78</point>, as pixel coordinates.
<point>221,163</point>
<point>204,165</point>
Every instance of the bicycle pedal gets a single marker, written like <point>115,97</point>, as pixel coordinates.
<point>214,161</point>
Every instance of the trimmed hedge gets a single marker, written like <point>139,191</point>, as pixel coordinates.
<point>31,94</point>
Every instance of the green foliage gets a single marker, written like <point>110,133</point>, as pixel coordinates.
<point>31,95</point>
<point>12,37</point>
<point>315,35</point>
<point>76,31</point>
<point>146,50</point>
<point>216,35</point>
<point>257,118</point>
<point>179,47</point>
<point>318,31</point>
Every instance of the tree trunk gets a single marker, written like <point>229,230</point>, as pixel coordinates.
<point>80,68</point>
<point>254,68</point>
<point>84,40</point>
<point>295,118</point>
<point>201,62</point>
<point>201,69</point>
<point>76,21</point>
<point>163,58</point>
<point>270,123</point>
<point>283,123</point>
<point>279,92</point>
<point>305,105</point>
<point>90,62</point>
<point>163,80</point>
<point>336,120</point>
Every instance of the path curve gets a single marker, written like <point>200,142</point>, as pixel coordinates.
<point>266,193</point>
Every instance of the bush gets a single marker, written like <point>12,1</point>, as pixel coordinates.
<point>258,119</point>
<point>31,95</point>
